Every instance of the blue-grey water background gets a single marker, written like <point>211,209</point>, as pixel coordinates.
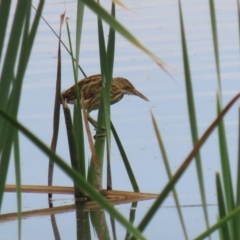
<point>156,24</point>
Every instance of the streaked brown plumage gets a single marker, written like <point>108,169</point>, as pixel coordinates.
<point>91,88</point>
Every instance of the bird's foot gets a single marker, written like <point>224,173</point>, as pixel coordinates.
<point>101,135</point>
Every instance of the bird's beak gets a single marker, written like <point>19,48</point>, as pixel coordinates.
<point>137,93</point>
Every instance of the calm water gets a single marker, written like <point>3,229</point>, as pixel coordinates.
<point>156,24</point>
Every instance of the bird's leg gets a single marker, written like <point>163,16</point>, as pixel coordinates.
<point>94,123</point>
<point>91,120</point>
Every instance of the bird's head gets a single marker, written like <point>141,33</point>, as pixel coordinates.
<point>128,88</point>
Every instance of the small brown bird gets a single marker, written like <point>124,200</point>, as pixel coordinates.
<point>91,88</point>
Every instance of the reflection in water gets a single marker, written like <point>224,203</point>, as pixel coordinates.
<point>55,227</point>
<point>82,222</point>
<point>88,215</point>
<point>98,220</point>
<point>131,216</point>
<point>113,226</point>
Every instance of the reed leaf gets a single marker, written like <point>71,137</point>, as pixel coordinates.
<point>192,114</point>
<point>111,44</point>
<point>11,53</point>
<point>169,173</point>
<point>79,138</point>
<point>101,123</point>
<point>238,168</point>
<point>79,25</point>
<point>56,111</point>
<point>226,171</point>
<point>104,115</point>
<point>225,231</point>
<point>77,131</point>
<point>4,13</point>
<point>110,61</point>
<point>78,121</point>
<point>72,145</point>
<point>215,41</point>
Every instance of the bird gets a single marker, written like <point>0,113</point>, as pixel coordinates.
<point>91,90</point>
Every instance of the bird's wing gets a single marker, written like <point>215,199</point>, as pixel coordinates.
<point>116,93</point>
<point>85,85</point>
<point>91,86</point>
